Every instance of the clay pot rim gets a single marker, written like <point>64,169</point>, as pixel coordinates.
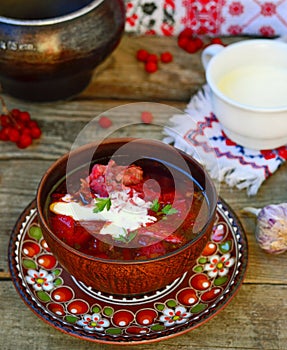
<point>213,202</point>
<point>55,20</point>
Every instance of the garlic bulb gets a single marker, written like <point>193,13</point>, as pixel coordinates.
<point>271,228</point>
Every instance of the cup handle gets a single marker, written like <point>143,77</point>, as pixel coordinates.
<point>209,52</point>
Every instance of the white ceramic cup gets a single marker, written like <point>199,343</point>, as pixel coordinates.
<point>248,82</point>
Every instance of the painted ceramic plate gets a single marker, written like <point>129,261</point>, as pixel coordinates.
<point>76,309</point>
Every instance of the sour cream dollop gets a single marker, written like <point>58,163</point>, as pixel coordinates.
<point>127,213</point>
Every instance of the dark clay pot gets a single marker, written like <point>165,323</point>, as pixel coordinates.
<point>115,276</point>
<point>49,49</point>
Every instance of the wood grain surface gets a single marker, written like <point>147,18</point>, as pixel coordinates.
<point>256,318</point>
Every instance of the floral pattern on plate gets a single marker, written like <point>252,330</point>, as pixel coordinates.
<point>76,309</point>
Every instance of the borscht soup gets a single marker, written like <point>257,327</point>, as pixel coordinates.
<point>119,211</point>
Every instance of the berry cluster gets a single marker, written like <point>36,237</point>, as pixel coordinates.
<point>18,127</point>
<point>151,60</point>
<point>188,42</point>
<point>191,43</point>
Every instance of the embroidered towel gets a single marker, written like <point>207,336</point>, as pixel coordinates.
<point>199,133</point>
<point>211,17</point>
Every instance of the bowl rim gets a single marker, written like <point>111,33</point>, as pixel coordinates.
<point>53,20</point>
<point>54,165</point>
<point>264,111</point>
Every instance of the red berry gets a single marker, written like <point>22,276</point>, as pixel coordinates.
<point>151,67</point>
<point>13,134</point>
<point>142,55</point>
<point>146,117</point>
<point>25,140</point>
<point>20,125</point>
<point>105,122</point>
<point>35,133</point>
<point>5,120</point>
<point>17,126</point>
<point>198,42</point>
<point>26,131</point>
<point>191,47</point>
<point>166,57</point>
<point>186,32</point>
<point>32,124</point>
<point>183,42</point>
<point>152,58</point>
<point>24,116</point>
<point>15,113</point>
<point>8,130</point>
<point>188,41</point>
<point>3,135</point>
<point>216,41</point>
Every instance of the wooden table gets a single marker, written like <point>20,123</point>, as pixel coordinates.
<point>256,318</point>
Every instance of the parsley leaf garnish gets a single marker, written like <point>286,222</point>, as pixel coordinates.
<point>101,204</point>
<point>169,210</point>
<point>155,206</point>
<point>166,210</point>
<point>127,238</point>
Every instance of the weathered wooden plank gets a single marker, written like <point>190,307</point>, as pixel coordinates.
<point>62,122</point>
<point>174,81</point>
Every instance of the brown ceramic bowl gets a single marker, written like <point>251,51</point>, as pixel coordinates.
<point>127,277</point>
<point>49,49</point>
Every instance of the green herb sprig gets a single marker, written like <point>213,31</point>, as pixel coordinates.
<point>126,238</point>
<point>166,210</point>
<point>101,204</point>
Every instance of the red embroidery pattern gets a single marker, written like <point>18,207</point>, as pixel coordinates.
<point>211,17</point>
<point>202,16</point>
<point>236,9</point>
<point>268,9</point>
<point>151,17</point>
<point>263,18</point>
<point>167,27</point>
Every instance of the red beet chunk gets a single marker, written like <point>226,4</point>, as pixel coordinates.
<point>64,227</point>
<point>152,251</point>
